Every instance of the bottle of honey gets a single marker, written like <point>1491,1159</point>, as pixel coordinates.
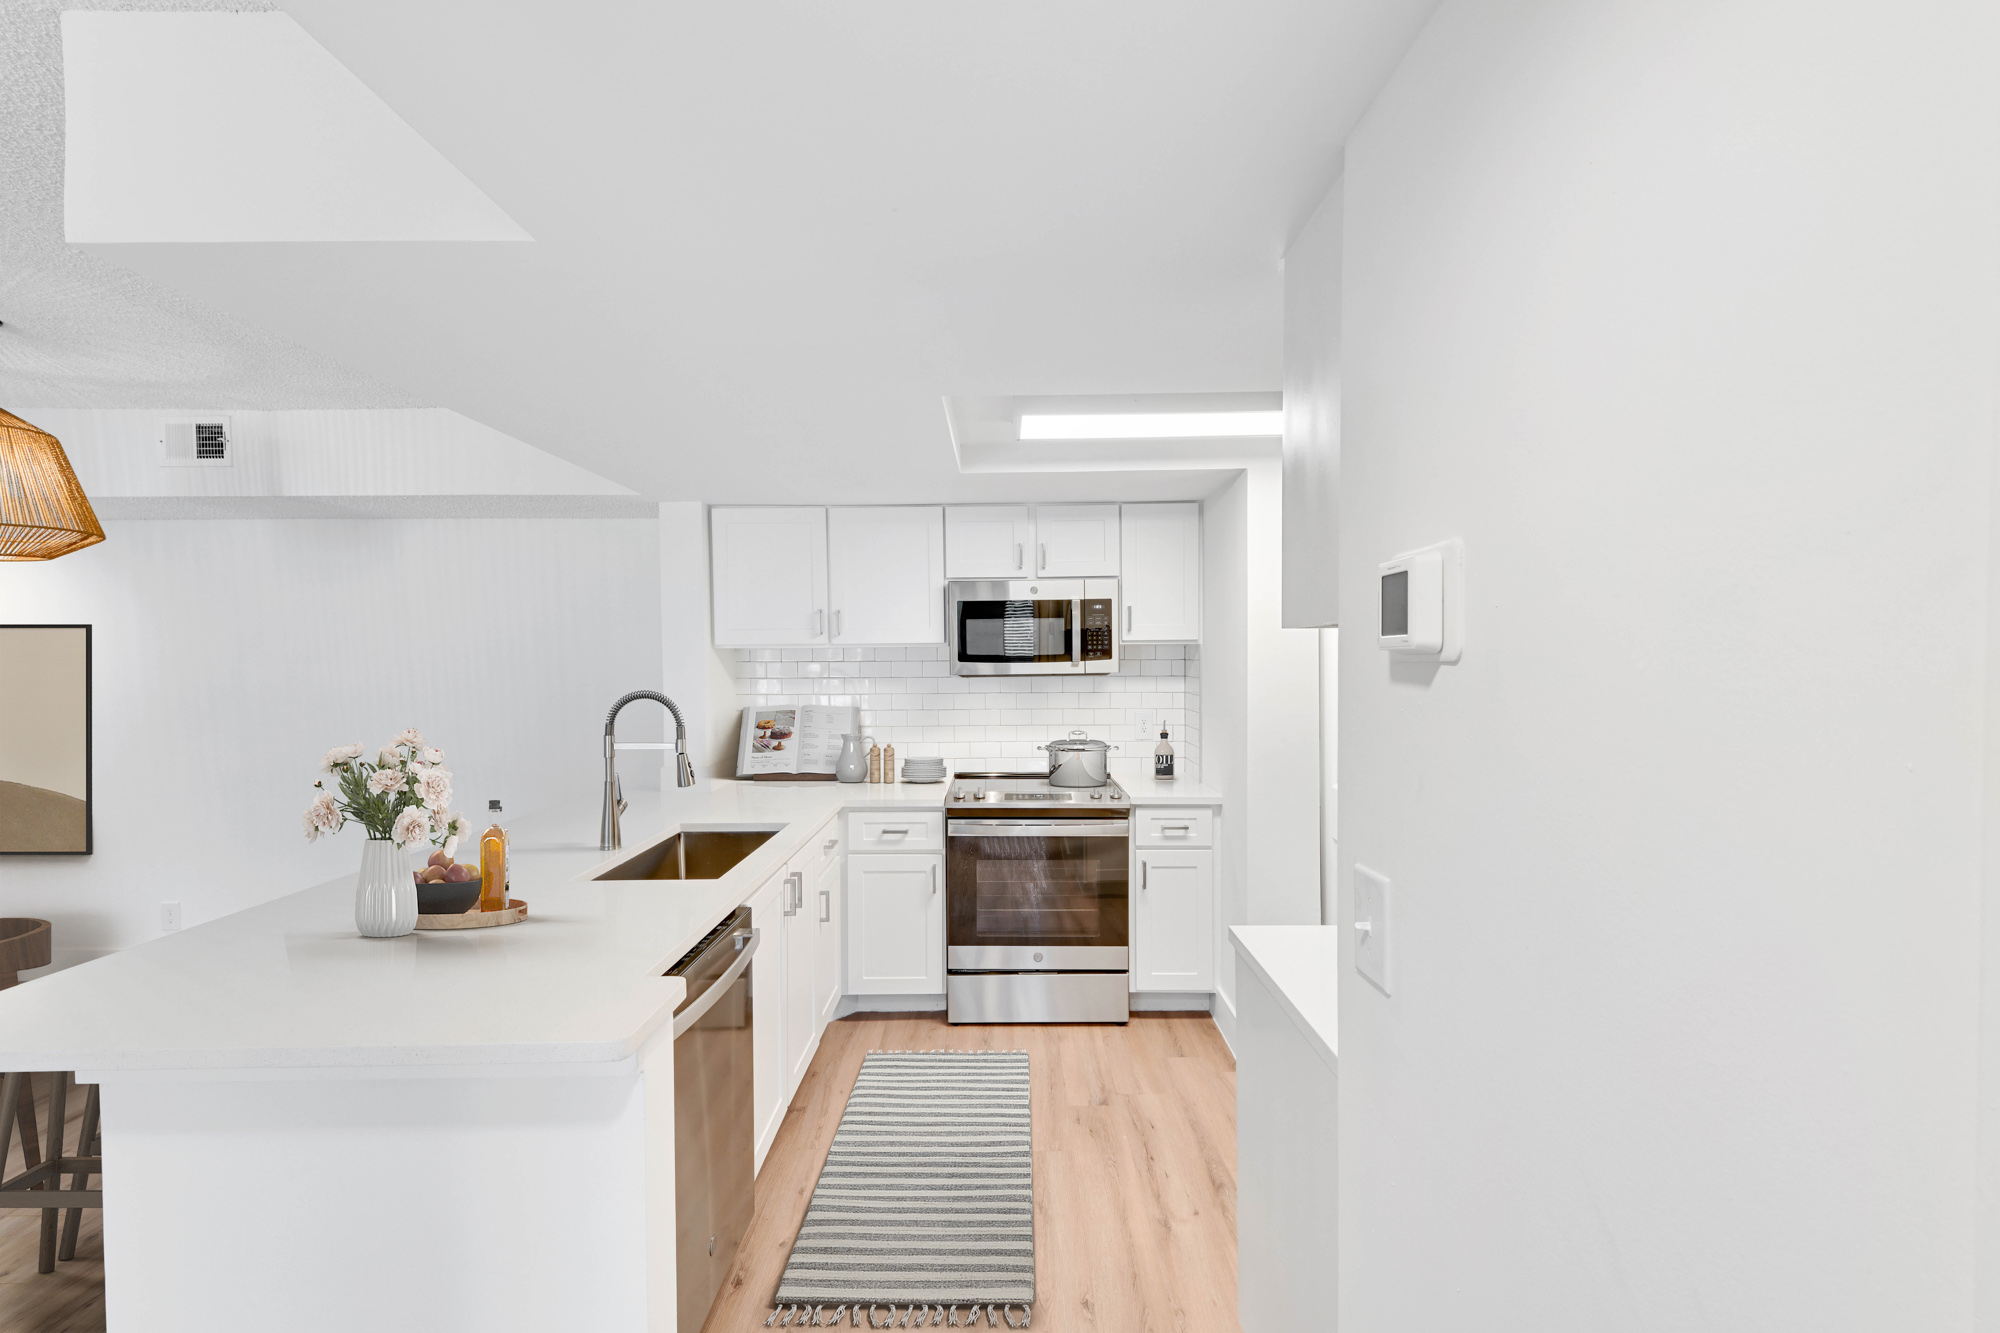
<point>493,866</point>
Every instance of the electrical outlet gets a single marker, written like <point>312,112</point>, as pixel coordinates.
<point>170,917</point>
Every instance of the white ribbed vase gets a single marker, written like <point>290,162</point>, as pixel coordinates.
<point>385,893</point>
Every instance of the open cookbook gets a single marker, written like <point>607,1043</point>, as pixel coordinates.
<point>802,741</point>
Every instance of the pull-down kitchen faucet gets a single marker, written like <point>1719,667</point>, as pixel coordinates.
<point>614,794</point>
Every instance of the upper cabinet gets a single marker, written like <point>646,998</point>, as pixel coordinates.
<point>768,576</point>
<point>808,576</point>
<point>989,542</point>
<point>886,575</point>
<point>1076,541</point>
<point>1162,580</point>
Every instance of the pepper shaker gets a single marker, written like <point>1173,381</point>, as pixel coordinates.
<point>874,763</point>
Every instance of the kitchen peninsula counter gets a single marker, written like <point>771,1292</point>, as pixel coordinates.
<point>468,1130</point>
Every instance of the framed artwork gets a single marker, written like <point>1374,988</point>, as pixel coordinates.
<point>45,740</point>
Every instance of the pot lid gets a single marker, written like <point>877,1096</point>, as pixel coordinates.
<point>1077,741</point>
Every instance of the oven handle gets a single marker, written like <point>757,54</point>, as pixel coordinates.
<point>1038,828</point>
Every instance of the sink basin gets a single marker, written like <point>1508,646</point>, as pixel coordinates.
<point>692,854</point>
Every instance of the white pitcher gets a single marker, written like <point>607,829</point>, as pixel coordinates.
<point>852,766</point>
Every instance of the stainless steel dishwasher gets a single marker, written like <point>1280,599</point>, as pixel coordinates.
<point>714,1147</point>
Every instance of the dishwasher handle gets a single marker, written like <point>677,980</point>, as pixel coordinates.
<point>694,1013</point>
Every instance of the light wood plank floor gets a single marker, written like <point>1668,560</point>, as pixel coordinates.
<point>1135,1168</point>
<point>1135,1180</point>
<point>71,1299</point>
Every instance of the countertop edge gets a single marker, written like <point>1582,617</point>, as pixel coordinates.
<point>1247,948</point>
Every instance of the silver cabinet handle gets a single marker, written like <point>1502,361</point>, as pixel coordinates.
<point>825,906</point>
<point>933,877</point>
<point>837,622</point>
<point>1145,869</point>
<point>1128,619</point>
<point>892,833</point>
<point>830,844</point>
<point>1183,828</point>
<point>819,622</point>
<point>1044,567</point>
<point>1019,557</point>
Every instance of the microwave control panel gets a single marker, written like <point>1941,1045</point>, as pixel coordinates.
<point>1097,625</point>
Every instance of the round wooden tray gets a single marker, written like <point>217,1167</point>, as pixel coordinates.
<point>515,911</point>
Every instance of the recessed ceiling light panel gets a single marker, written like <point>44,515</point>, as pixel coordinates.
<point>1151,425</point>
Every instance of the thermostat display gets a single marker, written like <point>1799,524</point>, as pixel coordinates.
<point>1422,603</point>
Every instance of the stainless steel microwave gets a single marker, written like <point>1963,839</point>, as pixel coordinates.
<point>1032,627</point>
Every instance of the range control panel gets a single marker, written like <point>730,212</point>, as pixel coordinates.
<point>1097,624</point>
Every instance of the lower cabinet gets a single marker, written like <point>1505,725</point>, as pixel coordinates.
<point>830,909</point>
<point>767,989</point>
<point>895,924</point>
<point>801,1013</point>
<point>1173,919</point>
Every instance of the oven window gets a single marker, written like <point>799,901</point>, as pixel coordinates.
<point>1014,631</point>
<point>1037,891</point>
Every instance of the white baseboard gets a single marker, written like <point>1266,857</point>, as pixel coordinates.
<point>1225,1021</point>
<point>1166,1001</point>
<point>888,1004</point>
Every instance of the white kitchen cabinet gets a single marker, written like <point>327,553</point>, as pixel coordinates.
<point>830,910</point>
<point>768,576</point>
<point>1161,582</point>
<point>989,541</point>
<point>1076,541</point>
<point>799,1020</point>
<point>895,924</point>
<point>1173,920</point>
<point>767,989</point>
<point>885,566</point>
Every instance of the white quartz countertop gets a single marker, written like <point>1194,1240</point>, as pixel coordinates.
<point>289,984</point>
<point>1301,967</point>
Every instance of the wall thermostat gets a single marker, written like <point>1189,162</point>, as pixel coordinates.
<point>1423,603</point>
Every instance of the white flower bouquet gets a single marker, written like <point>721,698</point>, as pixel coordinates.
<point>402,797</point>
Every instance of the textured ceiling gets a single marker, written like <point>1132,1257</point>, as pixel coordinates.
<point>76,331</point>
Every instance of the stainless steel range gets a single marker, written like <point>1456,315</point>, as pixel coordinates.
<point>1036,907</point>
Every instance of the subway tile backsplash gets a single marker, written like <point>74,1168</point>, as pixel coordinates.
<point>908,697</point>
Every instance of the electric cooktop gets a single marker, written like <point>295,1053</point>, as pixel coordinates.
<point>1012,795</point>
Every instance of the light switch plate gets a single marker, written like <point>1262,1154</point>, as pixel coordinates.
<point>170,917</point>
<point>1372,915</point>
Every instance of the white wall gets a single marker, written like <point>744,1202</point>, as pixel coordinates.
<point>313,452</point>
<point>1260,719</point>
<point>1312,418</point>
<point>230,655</point>
<point>1684,317</point>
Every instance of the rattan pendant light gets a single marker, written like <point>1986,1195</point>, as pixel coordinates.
<point>43,512</point>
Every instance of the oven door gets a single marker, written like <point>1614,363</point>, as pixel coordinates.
<point>1036,895</point>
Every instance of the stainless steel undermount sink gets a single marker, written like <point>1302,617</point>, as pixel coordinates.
<point>692,854</point>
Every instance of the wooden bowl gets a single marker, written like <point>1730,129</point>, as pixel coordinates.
<point>24,943</point>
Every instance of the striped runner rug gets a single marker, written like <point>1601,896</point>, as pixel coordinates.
<point>925,1211</point>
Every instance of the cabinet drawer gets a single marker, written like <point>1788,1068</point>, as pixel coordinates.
<point>1159,827</point>
<point>914,831</point>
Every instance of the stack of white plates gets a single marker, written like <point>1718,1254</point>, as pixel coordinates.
<point>923,770</point>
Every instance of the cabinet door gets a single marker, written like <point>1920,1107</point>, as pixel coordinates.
<point>801,1006</point>
<point>1161,583</point>
<point>988,541</point>
<point>885,568</point>
<point>767,572</point>
<point>1174,927</point>
<point>767,989</point>
<point>829,955</point>
<point>895,924</point>
<point>1076,541</point>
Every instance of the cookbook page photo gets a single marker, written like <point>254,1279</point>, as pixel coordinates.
<point>792,740</point>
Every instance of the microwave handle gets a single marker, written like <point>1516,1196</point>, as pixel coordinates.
<point>1076,632</point>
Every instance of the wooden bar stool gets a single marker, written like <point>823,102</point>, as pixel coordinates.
<point>24,943</point>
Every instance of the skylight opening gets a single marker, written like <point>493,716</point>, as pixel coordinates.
<point>1151,425</point>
